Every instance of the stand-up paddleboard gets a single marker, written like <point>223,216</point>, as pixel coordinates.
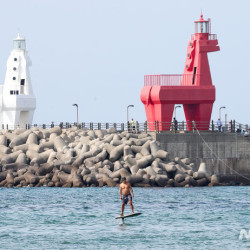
<point>127,216</point>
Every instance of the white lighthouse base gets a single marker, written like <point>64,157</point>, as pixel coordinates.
<point>18,112</point>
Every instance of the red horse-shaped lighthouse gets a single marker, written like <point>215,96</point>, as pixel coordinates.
<point>193,89</point>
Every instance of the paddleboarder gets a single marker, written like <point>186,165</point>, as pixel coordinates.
<point>126,194</point>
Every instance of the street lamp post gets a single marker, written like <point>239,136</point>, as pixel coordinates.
<point>129,106</point>
<point>178,106</point>
<point>76,112</point>
<point>223,107</point>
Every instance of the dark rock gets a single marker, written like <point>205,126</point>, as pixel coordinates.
<point>66,168</point>
<point>45,168</point>
<point>67,185</point>
<point>170,183</point>
<point>50,184</point>
<point>161,180</point>
<point>3,183</point>
<point>133,179</point>
<point>58,184</point>
<point>202,182</point>
<point>10,178</point>
<point>14,166</point>
<point>3,175</point>
<point>18,179</point>
<point>31,178</point>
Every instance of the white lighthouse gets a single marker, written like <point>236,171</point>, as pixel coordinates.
<point>17,101</point>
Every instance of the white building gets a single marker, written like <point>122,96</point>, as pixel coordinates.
<point>17,101</point>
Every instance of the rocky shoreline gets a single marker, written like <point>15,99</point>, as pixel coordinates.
<point>81,158</point>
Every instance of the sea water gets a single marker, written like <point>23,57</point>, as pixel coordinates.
<point>84,218</point>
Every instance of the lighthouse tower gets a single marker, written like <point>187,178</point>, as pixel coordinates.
<point>17,101</point>
<point>194,88</point>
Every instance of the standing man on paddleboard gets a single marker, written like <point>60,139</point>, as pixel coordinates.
<point>125,195</point>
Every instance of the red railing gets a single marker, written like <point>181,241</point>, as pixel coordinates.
<point>170,80</point>
<point>210,36</point>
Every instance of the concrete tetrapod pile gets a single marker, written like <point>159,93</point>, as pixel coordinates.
<point>77,158</point>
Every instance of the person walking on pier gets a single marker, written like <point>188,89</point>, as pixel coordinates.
<point>175,123</point>
<point>133,125</point>
<point>219,124</point>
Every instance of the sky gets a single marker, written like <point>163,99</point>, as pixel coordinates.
<point>95,53</point>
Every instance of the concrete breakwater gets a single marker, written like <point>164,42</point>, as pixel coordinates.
<point>77,157</point>
<point>225,154</point>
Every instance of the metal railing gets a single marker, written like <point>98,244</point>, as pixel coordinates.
<point>230,127</point>
<point>211,126</point>
<point>170,80</point>
<point>210,36</point>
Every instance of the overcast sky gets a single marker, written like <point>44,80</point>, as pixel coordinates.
<point>96,52</point>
